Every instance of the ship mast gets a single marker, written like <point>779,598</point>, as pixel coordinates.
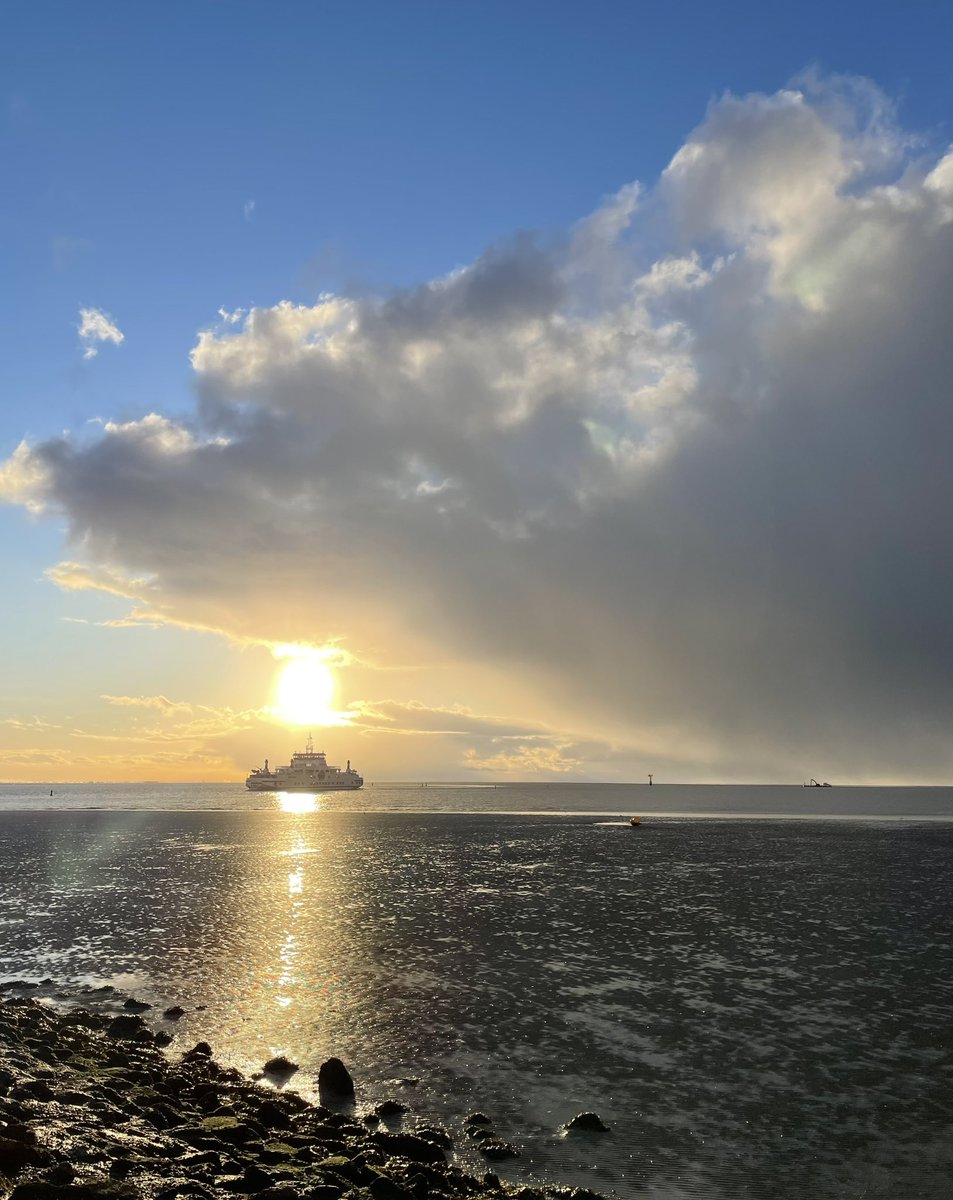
<point>310,746</point>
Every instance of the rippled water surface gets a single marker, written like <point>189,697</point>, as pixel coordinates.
<point>757,1008</point>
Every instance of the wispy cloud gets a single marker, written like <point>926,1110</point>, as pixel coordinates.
<point>248,209</point>
<point>96,327</point>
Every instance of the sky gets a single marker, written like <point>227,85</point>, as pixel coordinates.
<point>496,391</point>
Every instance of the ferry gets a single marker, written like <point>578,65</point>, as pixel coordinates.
<point>308,771</point>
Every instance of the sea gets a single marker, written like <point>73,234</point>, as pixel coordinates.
<point>753,989</point>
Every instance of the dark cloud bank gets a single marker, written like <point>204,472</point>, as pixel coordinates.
<point>686,474</point>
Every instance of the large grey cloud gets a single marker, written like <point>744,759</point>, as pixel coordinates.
<point>682,476</point>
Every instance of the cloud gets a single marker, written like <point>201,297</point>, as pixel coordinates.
<point>166,707</point>
<point>94,327</point>
<point>675,483</point>
<point>524,762</point>
<point>403,717</point>
<point>248,209</point>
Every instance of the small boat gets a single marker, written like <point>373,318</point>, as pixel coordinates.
<point>814,783</point>
<point>633,821</point>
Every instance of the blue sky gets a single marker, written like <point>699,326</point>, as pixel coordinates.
<point>166,161</point>
<point>381,143</point>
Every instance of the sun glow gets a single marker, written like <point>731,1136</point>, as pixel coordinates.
<point>306,691</point>
<point>295,802</point>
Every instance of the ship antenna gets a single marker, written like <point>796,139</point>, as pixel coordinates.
<point>310,745</point>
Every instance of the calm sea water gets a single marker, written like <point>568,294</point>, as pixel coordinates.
<point>757,1006</point>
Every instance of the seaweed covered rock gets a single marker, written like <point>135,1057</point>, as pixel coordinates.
<point>280,1067</point>
<point>127,1123</point>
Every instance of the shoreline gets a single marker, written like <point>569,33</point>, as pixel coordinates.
<point>92,1107</point>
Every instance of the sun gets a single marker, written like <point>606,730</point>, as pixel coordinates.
<point>305,692</point>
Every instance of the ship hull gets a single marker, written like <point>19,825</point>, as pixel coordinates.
<point>274,785</point>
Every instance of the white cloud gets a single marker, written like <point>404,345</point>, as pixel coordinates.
<point>96,326</point>
<point>679,480</point>
<point>248,209</point>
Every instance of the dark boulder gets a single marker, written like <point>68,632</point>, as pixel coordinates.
<point>125,1026</point>
<point>406,1145</point>
<point>33,1089</point>
<point>273,1116</point>
<point>254,1179</point>
<point>199,1050</point>
<point>586,1122</point>
<point>480,1133</point>
<point>134,1005</point>
<point>389,1108</point>
<point>335,1082</point>
<point>439,1137</point>
<point>385,1188</point>
<point>477,1118</point>
<point>173,1013</point>
<point>15,1155</point>
<point>92,1189</point>
<point>281,1067</point>
<point>496,1149</point>
<point>62,1172</point>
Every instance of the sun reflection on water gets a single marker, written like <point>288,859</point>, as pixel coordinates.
<point>297,802</point>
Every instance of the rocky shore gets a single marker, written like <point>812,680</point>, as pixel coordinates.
<point>94,1107</point>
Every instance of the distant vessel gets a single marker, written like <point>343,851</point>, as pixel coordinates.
<point>814,783</point>
<point>633,821</point>
<point>308,771</point>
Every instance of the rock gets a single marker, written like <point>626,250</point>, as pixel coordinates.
<point>106,1189</point>
<point>282,1067</point>
<point>439,1137</point>
<point>125,1026</point>
<point>477,1118</point>
<point>335,1082</point>
<point>33,1089</point>
<point>406,1145</point>
<point>586,1122</point>
<point>254,1179</point>
<point>173,1013</point>
<point>62,1172</point>
<point>134,1005</point>
<point>199,1050</point>
<point>163,1038</point>
<point>15,1155</point>
<point>496,1149</point>
<point>480,1133</point>
<point>229,1129</point>
<point>385,1188</point>
<point>390,1108</point>
<point>273,1116</point>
